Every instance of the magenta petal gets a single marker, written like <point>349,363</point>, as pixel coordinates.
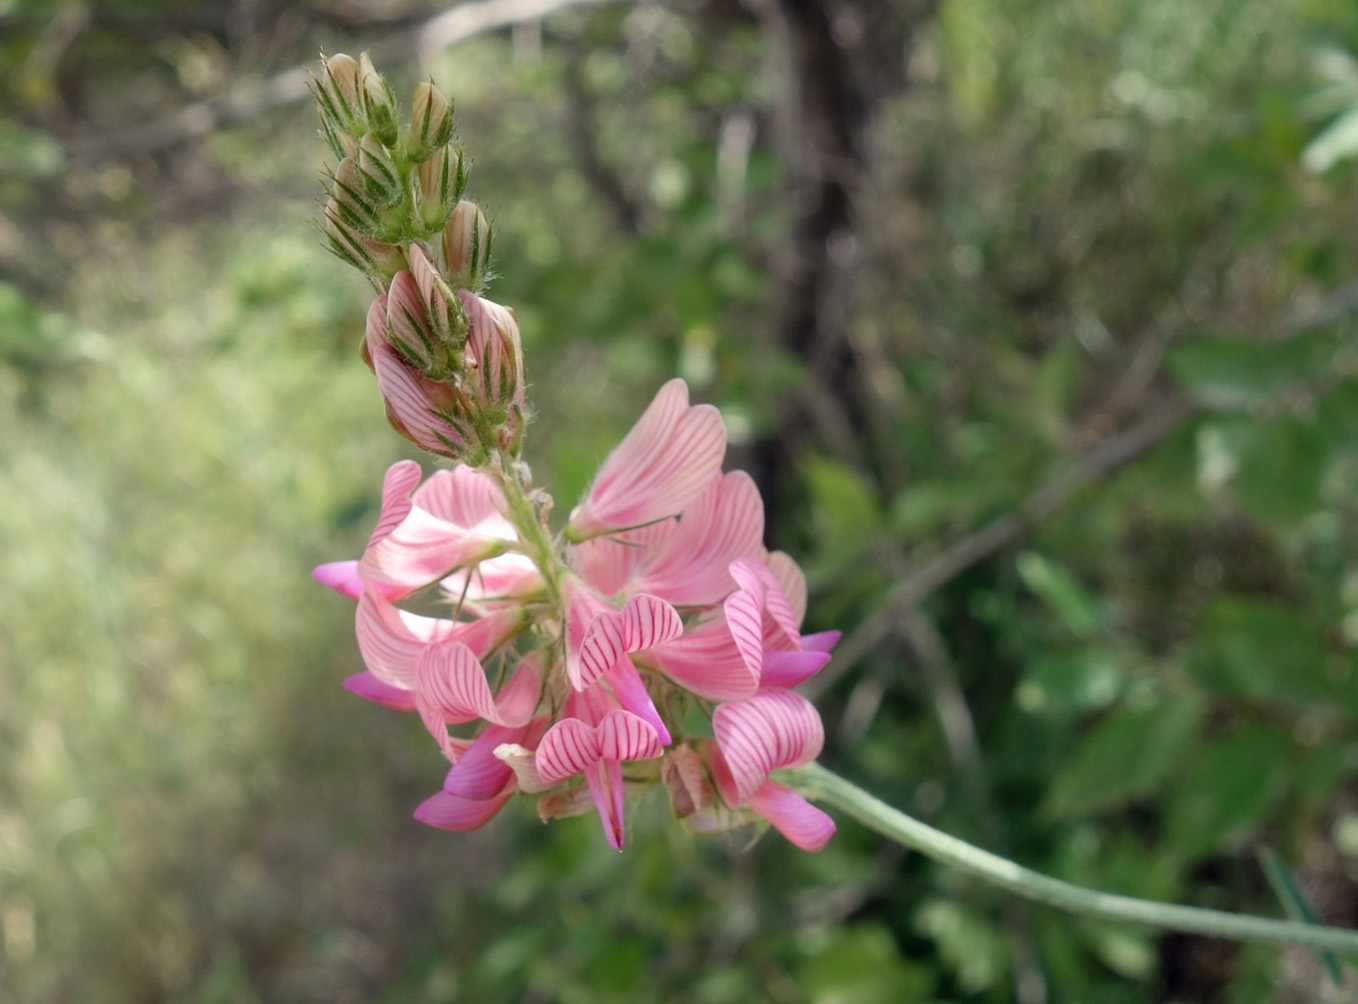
<point>707,662</point>
<point>787,669</point>
<point>449,812</point>
<point>633,696</point>
<point>341,576</point>
<point>605,785</point>
<point>479,773</point>
<point>822,641</point>
<point>793,816</point>
<point>370,688</point>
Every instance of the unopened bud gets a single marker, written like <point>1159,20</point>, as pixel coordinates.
<point>493,366</point>
<point>408,327</point>
<point>446,319</point>
<point>466,246</point>
<point>337,95</point>
<point>375,259</point>
<point>379,106</point>
<point>441,179</point>
<point>687,781</point>
<point>380,176</point>
<point>431,121</point>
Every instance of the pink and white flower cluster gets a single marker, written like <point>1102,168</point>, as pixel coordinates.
<point>659,607</point>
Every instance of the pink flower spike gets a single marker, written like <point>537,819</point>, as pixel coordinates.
<point>341,576</point>
<point>449,812</point>
<point>793,816</point>
<point>370,688</point>
<point>771,730</point>
<point>662,465</point>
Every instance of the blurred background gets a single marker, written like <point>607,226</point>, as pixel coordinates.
<point>1035,320</point>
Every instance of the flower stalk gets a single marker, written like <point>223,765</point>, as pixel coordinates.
<point>821,785</point>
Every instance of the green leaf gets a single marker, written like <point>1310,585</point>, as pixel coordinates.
<point>1227,789</point>
<point>846,511</point>
<point>1061,592</point>
<point>1258,648</point>
<point>1285,887</point>
<point>1124,757</point>
<point>1232,373</point>
<point>1280,471</point>
<point>1337,141</point>
<point>862,964</point>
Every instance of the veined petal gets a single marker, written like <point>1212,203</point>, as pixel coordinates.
<point>408,408</point>
<point>425,549</point>
<point>648,621</point>
<point>793,816</point>
<point>771,730</point>
<point>449,812</point>
<point>567,749</point>
<point>399,481</point>
<point>661,466</point>
<point>466,498</point>
<point>450,679</point>
<point>392,640</point>
<point>480,772</point>
<point>706,662</point>
<point>755,578</point>
<point>370,688</point>
<point>792,580</point>
<point>341,576</point>
<point>691,566</point>
<point>625,736</point>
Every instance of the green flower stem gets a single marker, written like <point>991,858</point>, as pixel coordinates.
<point>819,784</point>
<point>527,521</point>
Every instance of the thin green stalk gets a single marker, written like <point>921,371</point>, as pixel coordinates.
<point>819,784</point>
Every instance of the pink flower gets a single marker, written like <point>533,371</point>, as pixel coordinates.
<point>661,466</point>
<point>666,596</point>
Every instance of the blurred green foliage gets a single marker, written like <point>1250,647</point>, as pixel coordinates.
<point>1073,213</point>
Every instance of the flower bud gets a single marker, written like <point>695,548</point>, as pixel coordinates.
<point>441,177</point>
<point>337,97</point>
<point>381,179</point>
<point>466,246</point>
<point>377,260</point>
<point>431,122</point>
<point>379,106</point>
<point>349,191</point>
<point>687,781</point>
<point>408,327</point>
<point>493,364</point>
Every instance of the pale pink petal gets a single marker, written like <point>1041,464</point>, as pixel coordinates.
<point>661,466</point>
<point>791,580</point>
<point>424,549</point>
<point>399,481</point>
<point>428,282</point>
<point>691,567</point>
<point>341,576</point>
<point>625,736</point>
<point>448,812</point>
<point>648,621</point>
<point>567,749</point>
<point>523,762</point>
<point>605,784</point>
<point>375,328</point>
<point>793,816</point>
<point>608,563</point>
<point>518,698</point>
<point>370,688</point>
<point>784,668</point>
<point>706,662</point>
<point>450,678</point>
<point>464,497</point>
<point>755,579</point>
<point>506,578</point>
<point>633,696</point>
<point>771,730</point>
<point>408,326</point>
<point>391,640</point>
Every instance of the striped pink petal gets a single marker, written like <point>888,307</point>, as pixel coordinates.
<point>423,550</point>
<point>341,576</point>
<point>407,323</point>
<point>766,732</point>
<point>691,567</point>
<point>449,812</point>
<point>392,640</point>
<point>604,778</point>
<point>397,484</point>
<point>792,580</point>
<point>572,745</point>
<point>755,578</point>
<point>625,736</point>
<point>662,465</point>
<point>451,682</point>
<point>793,816</point>
<point>706,662</point>
<point>479,773</point>
<point>375,328</point>
<point>431,289</point>
<point>648,621</point>
<point>370,688</point>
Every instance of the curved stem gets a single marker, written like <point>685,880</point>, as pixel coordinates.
<point>817,783</point>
